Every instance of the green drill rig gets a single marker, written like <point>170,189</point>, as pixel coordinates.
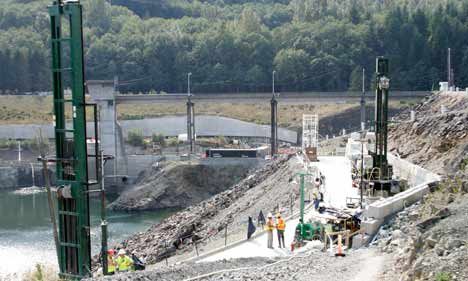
<point>306,231</point>
<point>73,173</point>
<point>380,176</point>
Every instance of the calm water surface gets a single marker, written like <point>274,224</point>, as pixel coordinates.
<point>26,234</point>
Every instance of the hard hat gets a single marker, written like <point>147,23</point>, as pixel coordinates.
<point>269,215</point>
<point>111,251</point>
<point>122,252</point>
<point>278,215</point>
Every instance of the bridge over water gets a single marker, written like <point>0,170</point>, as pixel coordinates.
<point>288,97</point>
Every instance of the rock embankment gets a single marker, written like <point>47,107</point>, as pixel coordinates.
<point>429,239</point>
<point>437,141</point>
<point>176,185</point>
<point>268,187</point>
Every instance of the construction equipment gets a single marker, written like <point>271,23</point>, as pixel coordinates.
<point>71,159</point>
<point>310,136</point>
<point>380,176</point>
<point>306,231</point>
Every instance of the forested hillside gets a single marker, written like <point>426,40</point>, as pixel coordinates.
<point>233,45</point>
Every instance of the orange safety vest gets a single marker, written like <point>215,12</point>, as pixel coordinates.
<point>110,264</point>
<point>269,225</point>
<point>280,225</point>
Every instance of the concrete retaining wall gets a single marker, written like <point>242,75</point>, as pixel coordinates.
<point>19,175</point>
<point>168,126</point>
<point>419,180</point>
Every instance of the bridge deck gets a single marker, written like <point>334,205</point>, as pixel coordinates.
<point>289,97</point>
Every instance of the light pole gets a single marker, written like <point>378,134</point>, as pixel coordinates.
<point>363,101</point>
<point>273,82</point>
<point>361,186</point>
<point>188,83</point>
<point>362,171</point>
<point>190,116</point>
<point>274,118</point>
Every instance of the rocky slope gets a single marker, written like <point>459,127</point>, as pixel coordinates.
<point>437,141</point>
<point>265,189</point>
<point>429,240</point>
<point>176,185</point>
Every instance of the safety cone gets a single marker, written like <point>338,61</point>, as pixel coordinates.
<point>339,252</point>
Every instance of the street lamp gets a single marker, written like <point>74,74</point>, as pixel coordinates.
<point>188,83</point>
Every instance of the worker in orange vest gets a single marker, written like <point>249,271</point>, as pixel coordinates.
<point>280,227</point>
<point>111,264</point>
<point>270,225</point>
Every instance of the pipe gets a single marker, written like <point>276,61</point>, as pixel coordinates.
<point>51,205</point>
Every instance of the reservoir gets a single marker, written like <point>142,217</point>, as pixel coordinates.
<point>26,233</point>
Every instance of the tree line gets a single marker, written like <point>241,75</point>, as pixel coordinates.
<point>234,45</point>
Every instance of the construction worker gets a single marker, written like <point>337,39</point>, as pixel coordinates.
<point>318,186</point>
<point>138,264</point>
<point>280,227</point>
<point>261,219</point>
<point>111,264</point>
<point>124,262</point>
<point>316,196</point>
<point>250,228</point>
<point>270,225</point>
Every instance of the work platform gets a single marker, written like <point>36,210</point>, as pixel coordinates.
<point>338,187</point>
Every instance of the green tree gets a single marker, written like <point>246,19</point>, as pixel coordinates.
<point>355,79</point>
<point>292,66</point>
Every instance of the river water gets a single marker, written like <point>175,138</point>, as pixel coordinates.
<point>26,233</point>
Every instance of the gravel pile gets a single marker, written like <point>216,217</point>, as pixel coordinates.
<point>314,265</point>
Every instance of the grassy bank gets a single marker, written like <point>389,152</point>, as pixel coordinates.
<point>38,110</point>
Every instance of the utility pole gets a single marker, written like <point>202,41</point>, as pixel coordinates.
<point>361,185</point>
<point>114,124</point>
<point>363,101</point>
<point>274,119</point>
<point>190,116</point>
<point>449,68</point>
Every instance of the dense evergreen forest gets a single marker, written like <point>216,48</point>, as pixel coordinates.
<point>233,45</point>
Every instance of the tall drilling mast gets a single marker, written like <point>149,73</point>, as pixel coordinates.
<point>382,171</point>
<point>71,160</point>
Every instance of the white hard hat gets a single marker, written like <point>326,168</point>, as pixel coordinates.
<point>269,215</point>
<point>122,252</point>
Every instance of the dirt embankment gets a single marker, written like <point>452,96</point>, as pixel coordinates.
<point>176,185</point>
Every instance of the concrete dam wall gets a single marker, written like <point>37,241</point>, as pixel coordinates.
<point>168,126</point>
